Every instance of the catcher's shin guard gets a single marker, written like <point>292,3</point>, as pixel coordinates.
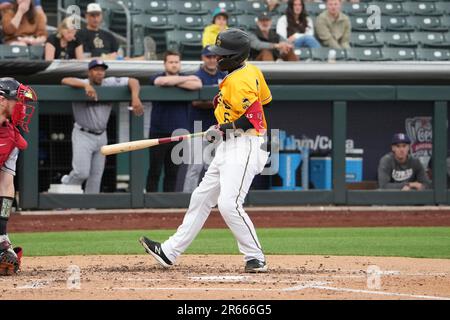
<point>10,261</point>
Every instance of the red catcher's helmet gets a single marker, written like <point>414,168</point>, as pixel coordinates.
<point>11,89</point>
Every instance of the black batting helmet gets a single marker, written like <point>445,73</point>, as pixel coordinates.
<point>233,45</point>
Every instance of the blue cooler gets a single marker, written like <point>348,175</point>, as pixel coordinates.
<point>320,169</point>
<point>353,169</point>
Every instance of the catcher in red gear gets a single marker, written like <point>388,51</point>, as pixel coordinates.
<point>14,112</point>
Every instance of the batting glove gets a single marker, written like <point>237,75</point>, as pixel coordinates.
<point>214,134</point>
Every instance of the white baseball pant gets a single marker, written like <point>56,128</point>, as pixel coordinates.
<point>225,184</point>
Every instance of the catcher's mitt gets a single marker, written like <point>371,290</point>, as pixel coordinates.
<point>10,261</point>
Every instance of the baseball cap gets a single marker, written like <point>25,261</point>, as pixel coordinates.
<point>207,52</point>
<point>97,62</point>
<point>264,16</point>
<point>400,138</point>
<point>93,7</point>
<point>219,11</point>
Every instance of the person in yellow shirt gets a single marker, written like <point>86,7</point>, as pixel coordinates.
<point>240,155</point>
<point>219,24</point>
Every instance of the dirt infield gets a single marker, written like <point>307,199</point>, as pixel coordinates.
<point>200,277</point>
<point>221,277</point>
<point>262,218</point>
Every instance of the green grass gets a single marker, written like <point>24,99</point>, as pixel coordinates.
<point>423,242</point>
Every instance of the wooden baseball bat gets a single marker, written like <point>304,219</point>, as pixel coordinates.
<point>142,144</point>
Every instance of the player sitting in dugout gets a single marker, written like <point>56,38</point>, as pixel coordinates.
<point>399,170</point>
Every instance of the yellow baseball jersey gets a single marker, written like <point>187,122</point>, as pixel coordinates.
<point>238,91</point>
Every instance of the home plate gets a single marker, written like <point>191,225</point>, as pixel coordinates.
<point>221,278</point>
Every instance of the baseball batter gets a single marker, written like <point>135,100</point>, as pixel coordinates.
<point>239,157</point>
<point>14,112</point>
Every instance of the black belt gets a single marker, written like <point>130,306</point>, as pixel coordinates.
<point>97,133</point>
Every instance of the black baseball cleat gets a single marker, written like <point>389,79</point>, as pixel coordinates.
<point>255,266</point>
<point>154,248</point>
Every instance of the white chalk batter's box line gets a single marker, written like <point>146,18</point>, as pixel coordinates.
<point>311,285</point>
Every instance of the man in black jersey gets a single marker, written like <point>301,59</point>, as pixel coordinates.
<point>97,42</point>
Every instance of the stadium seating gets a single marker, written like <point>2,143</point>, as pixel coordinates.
<point>365,54</point>
<point>445,21</point>
<point>304,54</point>
<point>396,23</point>
<point>396,54</point>
<point>359,23</point>
<point>232,20</point>
<point>396,39</point>
<point>250,7</point>
<point>152,7</point>
<point>412,29</point>
<point>229,6</point>
<point>430,39</point>
<point>154,26</point>
<point>390,8</point>
<point>354,9</point>
<point>421,8</point>
<point>246,22</point>
<point>321,54</point>
<point>314,8</point>
<point>364,39</point>
<point>428,54</point>
<point>14,52</point>
<point>443,6</point>
<point>426,23</point>
<point>36,52</point>
<point>188,21</point>
<point>187,7</point>
<point>189,43</point>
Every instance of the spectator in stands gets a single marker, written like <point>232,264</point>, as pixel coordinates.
<point>23,24</point>
<point>97,42</point>
<point>91,120</point>
<point>202,111</point>
<point>64,44</point>
<point>6,4</point>
<point>333,27</point>
<point>296,26</point>
<point>219,23</point>
<point>166,117</point>
<point>267,45</point>
<point>399,170</point>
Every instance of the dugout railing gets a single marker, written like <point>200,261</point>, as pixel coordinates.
<point>338,95</point>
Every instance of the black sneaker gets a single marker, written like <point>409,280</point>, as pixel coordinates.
<point>255,266</point>
<point>154,248</point>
